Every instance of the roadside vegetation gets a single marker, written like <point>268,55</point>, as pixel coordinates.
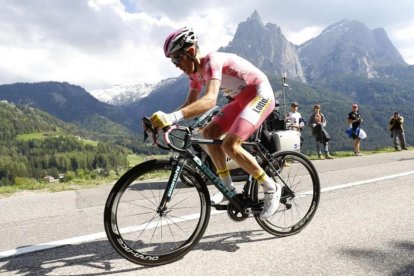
<point>343,154</point>
<point>40,152</point>
<point>84,179</point>
<point>73,180</point>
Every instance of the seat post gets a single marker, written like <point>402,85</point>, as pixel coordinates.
<point>257,133</point>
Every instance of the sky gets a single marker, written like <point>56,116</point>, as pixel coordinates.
<point>99,44</point>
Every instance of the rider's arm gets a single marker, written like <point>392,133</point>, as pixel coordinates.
<point>191,97</point>
<point>160,119</point>
<point>205,103</point>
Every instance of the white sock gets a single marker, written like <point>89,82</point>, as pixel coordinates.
<point>268,185</point>
<point>225,176</point>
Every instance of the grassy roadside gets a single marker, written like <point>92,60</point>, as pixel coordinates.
<point>25,184</point>
<point>344,154</point>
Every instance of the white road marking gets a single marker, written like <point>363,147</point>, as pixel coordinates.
<point>362,182</point>
<point>102,235</point>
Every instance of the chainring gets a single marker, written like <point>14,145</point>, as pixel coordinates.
<point>234,214</point>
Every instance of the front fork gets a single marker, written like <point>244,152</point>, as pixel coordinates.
<point>172,182</point>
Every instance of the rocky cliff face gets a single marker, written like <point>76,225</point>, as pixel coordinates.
<point>348,47</point>
<point>266,47</point>
<point>345,48</point>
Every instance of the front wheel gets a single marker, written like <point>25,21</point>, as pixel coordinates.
<point>300,193</point>
<point>143,233</point>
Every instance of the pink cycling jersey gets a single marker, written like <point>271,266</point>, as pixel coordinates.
<point>237,75</point>
<point>247,85</point>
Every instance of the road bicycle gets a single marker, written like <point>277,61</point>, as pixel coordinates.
<point>159,210</point>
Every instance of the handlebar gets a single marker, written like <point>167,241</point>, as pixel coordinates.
<point>172,135</point>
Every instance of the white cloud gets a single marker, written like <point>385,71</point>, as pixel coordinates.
<point>402,36</point>
<point>303,35</point>
<point>98,44</point>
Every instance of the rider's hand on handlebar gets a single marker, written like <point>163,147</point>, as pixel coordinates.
<point>160,119</point>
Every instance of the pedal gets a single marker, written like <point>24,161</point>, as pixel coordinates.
<point>249,211</point>
<point>256,208</point>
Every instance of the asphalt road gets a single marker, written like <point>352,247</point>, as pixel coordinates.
<point>364,226</point>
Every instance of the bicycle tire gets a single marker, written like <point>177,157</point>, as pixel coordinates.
<point>131,210</point>
<point>295,210</point>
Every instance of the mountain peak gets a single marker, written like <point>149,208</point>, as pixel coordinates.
<point>346,27</point>
<point>266,47</point>
<point>127,94</point>
<point>348,46</point>
<point>256,18</point>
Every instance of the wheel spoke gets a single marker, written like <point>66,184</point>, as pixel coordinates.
<point>300,178</point>
<point>142,227</point>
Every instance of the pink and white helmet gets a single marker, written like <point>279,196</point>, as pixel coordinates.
<point>180,39</point>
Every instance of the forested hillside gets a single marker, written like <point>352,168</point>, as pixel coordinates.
<point>34,144</point>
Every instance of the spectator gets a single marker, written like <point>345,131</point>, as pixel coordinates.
<point>356,133</point>
<point>317,122</point>
<point>397,131</point>
<point>295,118</point>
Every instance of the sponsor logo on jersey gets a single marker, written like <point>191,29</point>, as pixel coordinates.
<point>260,104</point>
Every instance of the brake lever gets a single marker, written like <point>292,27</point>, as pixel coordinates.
<point>147,126</point>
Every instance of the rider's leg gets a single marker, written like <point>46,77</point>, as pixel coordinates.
<point>232,147</point>
<point>256,107</point>
<point>217,128</point>
<point>216,152</point>
<point>218,156</point>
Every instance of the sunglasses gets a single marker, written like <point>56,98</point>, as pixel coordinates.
<point>177,59</point>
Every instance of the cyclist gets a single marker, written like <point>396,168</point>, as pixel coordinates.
<point>253,102</point>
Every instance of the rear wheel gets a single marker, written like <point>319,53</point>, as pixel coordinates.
<point>300,193</point>
<point>143,234</point>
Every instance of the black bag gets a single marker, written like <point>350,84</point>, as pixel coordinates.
<point>325,135</point>
<point>273,122</point>
<point>267,141</point>
<point>321,134</point>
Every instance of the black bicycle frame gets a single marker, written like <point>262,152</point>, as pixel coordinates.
<point>186,154</point>
<point>178,167</point>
